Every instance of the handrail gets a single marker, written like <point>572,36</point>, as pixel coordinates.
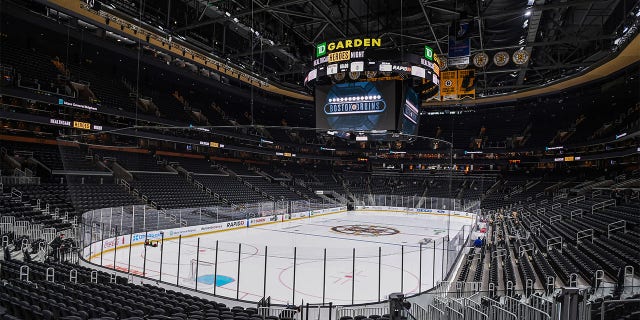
<point>576,199</point>
<point>603,204</point>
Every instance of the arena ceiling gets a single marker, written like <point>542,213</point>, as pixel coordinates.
<point>277,37</point>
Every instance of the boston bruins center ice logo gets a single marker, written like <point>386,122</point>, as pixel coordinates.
<point>365,230</point>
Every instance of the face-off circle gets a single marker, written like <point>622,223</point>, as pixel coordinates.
<point>365,230</point>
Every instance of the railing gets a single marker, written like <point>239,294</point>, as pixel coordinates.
<point>560,196</point>
<point>603,204</point>
<point>555,218</point>
<point>555,241</point>
<point>280,312</point>
<point>588,233</point>
<point>611,227</point>
<point>603,309</point>
<point>576,199</point>
<point>125,184</point>
<point>360,311</point>
<point>16,194</point>
<point>13,180</point>
<point>416,202</point>
<point>26,228</point>
<point>525,311</point>
<point>576,212</point>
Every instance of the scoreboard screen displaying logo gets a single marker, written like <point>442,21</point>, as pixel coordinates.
<point>356,106</point>
<point>410,118</point>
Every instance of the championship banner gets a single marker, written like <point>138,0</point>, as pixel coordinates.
<point>448,85</point>
<point>466,82</point>
<point>459,48</point>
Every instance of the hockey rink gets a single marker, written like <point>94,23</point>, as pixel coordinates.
<point>344,258</point>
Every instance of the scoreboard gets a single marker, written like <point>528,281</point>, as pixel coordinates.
<point>364,59</point>
<point>362,86</point>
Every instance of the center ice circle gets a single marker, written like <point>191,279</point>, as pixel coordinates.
<point>365,230</point>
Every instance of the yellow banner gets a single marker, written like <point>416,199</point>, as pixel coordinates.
<point>466,83</point>
<point>448,85</point>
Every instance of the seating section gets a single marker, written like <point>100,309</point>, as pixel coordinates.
<point>59,158</point>
<point>231,189</point>
<point>24,211</point>
<point>170,191</point>
<point>357,183</point>
<point>325,182</point>
<point>195,165</point>
<point>34,68</point>
<point>87,197</point>
<point>53,194</point>
<point>109,91</point>
<point>238,168</point>
<point>133,161</point>
<point>274,189</point>
<point>167,104</point>
<point>403,187</point>
<point>47,154</point>
<point>40,299</point>
<point>573,237</point>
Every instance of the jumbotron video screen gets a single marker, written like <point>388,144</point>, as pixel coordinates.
<point>409,119</point>
<point>357,106</point>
